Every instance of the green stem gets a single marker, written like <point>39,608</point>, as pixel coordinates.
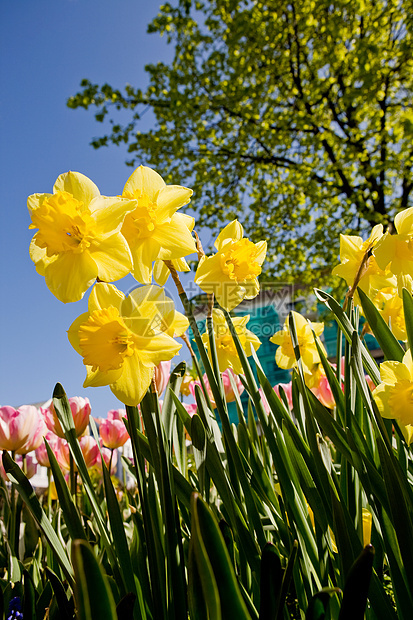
<point>49,493</point>
<point>110,461</point>
<point>12,522</point>
<point>72,475</point>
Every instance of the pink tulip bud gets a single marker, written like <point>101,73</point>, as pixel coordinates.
<point>41,452</point>
<point>80,410</point>
<point>288,390</point>
<point>228,391</point>
<point>106,457</point>
<point>324,393</point>
<point>30,466</point>
<point>16,426</point>
<point>2,470</point>
<point>113,431</point>
<point>162,374</point>
<point>191,408</point>
<point>38,431</point>
<point>88,445</point>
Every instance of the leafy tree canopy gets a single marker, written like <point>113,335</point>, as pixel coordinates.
<point>295,116</point>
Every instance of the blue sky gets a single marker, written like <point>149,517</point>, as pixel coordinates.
<point>46,48</point>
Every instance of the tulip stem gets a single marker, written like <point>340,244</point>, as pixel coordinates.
<point>49,492</point>
<point>72,476</point>
<point>12,523</point>
<point>110,461</point>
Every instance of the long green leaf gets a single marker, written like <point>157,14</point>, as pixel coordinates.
<point>64,414</point>
<point>270,582</point>
<point>231,600</point>
<point>388,343</point>
<point>121,544</point>
<point>70,512</point>
<point>93,594</point>
<point>65,607</point>
<point>28,494</point>
<point>347,328</point>
<point>357,585</point>
<point>408,316</point>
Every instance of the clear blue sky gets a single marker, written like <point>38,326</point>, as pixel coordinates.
<point>46,48</point>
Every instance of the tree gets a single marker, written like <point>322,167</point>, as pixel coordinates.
<point>293,115</point>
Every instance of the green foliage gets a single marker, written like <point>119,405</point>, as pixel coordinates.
<point>262,520</point>
<point>295,117</point>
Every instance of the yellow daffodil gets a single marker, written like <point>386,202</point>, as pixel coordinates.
<point>122,339</point>
<point>161,271</point>
<point>231,273</point>
<point>153,229</point>
<point>390,306</point>
<point>78,238</point>
<point>226,351</point>
<point>397,250</point>
<point>366,523</point>
<point>394,396</point>
<point>285,357</point>
<point>357,262</point>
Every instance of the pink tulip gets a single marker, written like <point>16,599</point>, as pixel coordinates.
<point>80,410</point>
<point>324,393</point>
<point>30,465</point>
<point>107,455</point>
<point>162,374</point>
<point>2,470</point>
<point>113,433</point>
<point>16,426</point>
<point>35,439</point>
<point>41,452</point>
<point>370,382</point>
<point>112,430</point>
<point>89,447</point>
<point>288,390</point>
<point>228,391</point>
<point>287,387</point>
<point>191,408</point>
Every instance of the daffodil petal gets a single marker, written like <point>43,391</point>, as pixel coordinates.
<point>104,295</point>
<point>158,348</point>
<point>149,304</point>
<point>112,257</point>
<point>39,256</point>
<point>160,272</point>
<point>109,213</point>
<point>144,252</point>
<point>145,180</point>
<point>73,331</point>
<point>170,199</point>
<point>232,232</point>
<point>381,395</point>
<point>34,201</point>
<point>251,288</point>
<point>175,238</point>
<point>283,360</point>
<point>385,250</point>
<point>392,372</point>
<point>77,184</point>
<point>70,275</point>
<point>179,326</point>
<point>97,378</point>
<point>407,432</point>
<point>351,246</point>
<point>403,222</point>
<point>407,361</point>
<point>134,381</point>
